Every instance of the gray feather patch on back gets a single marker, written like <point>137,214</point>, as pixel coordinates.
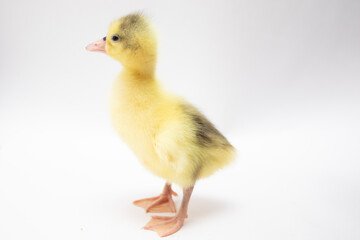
<point>206,133</point>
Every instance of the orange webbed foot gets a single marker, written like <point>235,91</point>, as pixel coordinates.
<point>160,204</point>
<point>165,226</point>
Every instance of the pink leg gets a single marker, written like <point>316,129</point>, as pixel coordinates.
<point>161,203</point>
<point>165,226</point>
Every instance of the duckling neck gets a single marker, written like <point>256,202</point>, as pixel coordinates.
<point>138,81</point>
<point>146,71</point>
<point>135,90</point>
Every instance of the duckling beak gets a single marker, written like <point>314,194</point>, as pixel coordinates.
<point>98,46</point>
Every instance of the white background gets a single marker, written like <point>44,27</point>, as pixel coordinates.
<point>279,78</point>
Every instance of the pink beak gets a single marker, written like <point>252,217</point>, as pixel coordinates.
<point>98,46</point>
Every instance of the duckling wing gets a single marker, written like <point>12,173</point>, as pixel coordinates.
<point>190,146</point>
<point>173,144</point>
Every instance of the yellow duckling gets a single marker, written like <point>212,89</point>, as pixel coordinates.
<point>169,136</point>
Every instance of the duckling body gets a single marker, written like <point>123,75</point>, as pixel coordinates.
<point>169,136</point>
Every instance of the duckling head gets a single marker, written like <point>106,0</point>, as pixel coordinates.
<point>130,40</point>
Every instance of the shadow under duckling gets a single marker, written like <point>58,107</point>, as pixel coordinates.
<point>169,136</point>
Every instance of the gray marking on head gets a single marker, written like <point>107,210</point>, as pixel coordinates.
<point>130,24</point>
<point>131,21</point>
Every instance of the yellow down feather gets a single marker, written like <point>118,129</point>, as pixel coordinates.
<point>170,137</point>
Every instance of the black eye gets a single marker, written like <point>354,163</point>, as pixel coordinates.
<point>115,38</point>
<point>104,38</point>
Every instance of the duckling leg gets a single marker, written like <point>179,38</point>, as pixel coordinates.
<point>165,226</point>
<point>161,203</point>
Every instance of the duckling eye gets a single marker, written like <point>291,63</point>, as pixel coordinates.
<point>104,38</point>
<point>115,38</point>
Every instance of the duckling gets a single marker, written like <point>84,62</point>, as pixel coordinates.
<point>169,136</point>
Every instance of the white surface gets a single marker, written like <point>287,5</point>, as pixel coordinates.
<point>280,79</point>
